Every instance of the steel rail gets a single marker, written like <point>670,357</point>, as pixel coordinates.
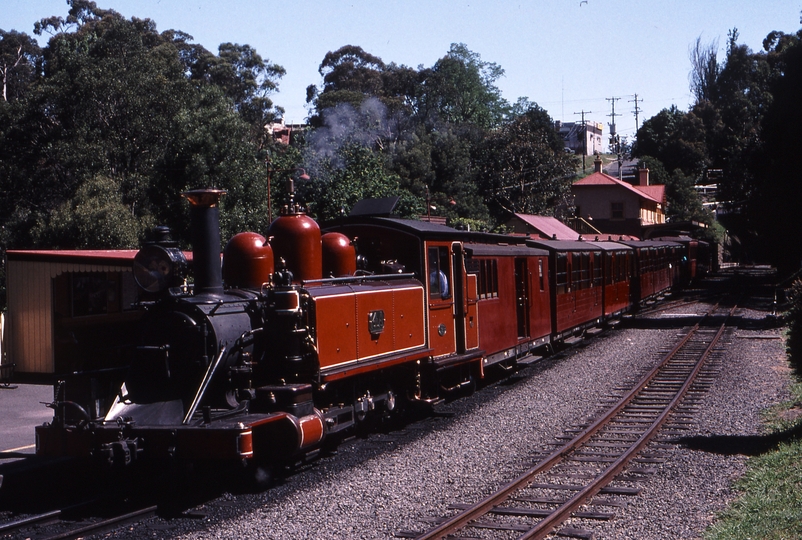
<point>17,524</point>
<point>104,525</point>
<point>544,527</point>
<point>482,507</point>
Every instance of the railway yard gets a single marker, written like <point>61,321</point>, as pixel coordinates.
<point>402,481</point>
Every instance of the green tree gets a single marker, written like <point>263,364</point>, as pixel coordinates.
<point>245,78</point>
<point>351,173</point>
<point>350,75</point>
<point>774,206</point>
<point>20,63</point>
<point>120,104</point>
<point>682,199</point>
<point>705,70</point>
<point>675,138</point>
<point>460,88</point>
<point>525,169</point>
<point>95,217</point>
<point>742,97</point>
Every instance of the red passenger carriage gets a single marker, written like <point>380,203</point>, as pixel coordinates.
<point>575,269</point>
<point>616,276</point>
<point>513,298</point>
<point>656,269</point>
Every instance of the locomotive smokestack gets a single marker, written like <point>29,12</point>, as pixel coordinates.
<point>205,222</point>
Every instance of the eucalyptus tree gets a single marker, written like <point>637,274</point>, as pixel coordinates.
<point>460,89</point>
<point>122,119</point>
<point>20,62</point>
<point>525,169</point>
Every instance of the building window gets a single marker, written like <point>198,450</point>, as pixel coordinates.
<point>617,210</point>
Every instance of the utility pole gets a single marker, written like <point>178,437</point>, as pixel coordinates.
<point>636,112</point>
<point>584,136</point>
<point>614,146</point>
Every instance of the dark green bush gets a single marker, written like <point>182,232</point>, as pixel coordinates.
<point>795,325</point>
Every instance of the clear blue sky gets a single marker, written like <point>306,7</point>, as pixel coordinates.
<point>565,55</point>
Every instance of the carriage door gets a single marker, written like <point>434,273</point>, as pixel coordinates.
<point>441,300</point>
<point>522,297</point>
<point>465,312</point>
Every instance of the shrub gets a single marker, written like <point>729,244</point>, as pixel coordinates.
<point>795,325</point>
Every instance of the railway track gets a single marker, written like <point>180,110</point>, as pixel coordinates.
<point>63,524</point>
<point>574,475</point>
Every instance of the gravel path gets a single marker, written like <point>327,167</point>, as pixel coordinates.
<point>386,483</point>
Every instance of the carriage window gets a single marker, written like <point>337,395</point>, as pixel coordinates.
<point>586,271</point>
<point>561,278</point>
<point>438,273</point>
<point>596,269</point>
<point>488,279</point>
<point>626,267</point>
<point>494,280</point>
<point>540,274</point>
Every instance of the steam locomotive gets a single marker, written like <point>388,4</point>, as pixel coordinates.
<point>308,333</point>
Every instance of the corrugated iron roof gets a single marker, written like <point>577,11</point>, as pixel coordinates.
<point>549,227</point>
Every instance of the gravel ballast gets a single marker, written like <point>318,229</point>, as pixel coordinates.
<point>376,486</point>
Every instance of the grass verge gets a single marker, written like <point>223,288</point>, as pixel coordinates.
<point>769,503</point>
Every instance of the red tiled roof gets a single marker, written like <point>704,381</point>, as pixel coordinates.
<point>601,179</point>
<point>656,192</point>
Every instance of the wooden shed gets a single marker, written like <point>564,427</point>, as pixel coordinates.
<point>67,311</point>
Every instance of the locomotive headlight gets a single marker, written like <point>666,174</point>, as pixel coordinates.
<point>157,268</point>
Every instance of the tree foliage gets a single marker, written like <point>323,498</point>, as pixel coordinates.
<point>773,209</point>
<point>460,89</point>
<point>19,63</point>
<point>705,70</point>
<point>117,120</point>
<point>434,128</point>
<point>352,173</point>
<point>677,139</point>
<point>524,166</point>
<point>743,126</point>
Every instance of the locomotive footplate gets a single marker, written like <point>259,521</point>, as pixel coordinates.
<point>448,362</point>
<point>242,437</point>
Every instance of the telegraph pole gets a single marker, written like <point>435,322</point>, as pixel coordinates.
<point>613,133</point>
<point>584,136</point>
<point>636,112</point>
<point>614,146</point>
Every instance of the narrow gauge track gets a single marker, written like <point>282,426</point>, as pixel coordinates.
<point>62,525</point>
<point>607,445</point>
